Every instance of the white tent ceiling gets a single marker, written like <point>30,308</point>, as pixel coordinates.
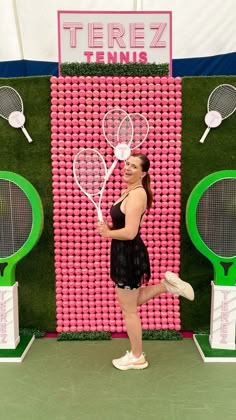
<point>28,28</point>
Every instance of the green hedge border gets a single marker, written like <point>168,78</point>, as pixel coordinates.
<point>84,335</point>
<point>130,69</point>
<point>32,331</point>
<point>164,335</point>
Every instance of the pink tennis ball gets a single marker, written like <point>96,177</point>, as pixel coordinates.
<point>54,87</point>
<point>54,94</point>
<point>53,79</point>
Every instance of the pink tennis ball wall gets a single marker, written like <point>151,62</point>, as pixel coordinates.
<point>85,295</point>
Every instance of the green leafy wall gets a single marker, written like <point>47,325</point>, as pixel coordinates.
<point>218,152</point>
<point>35,273</point>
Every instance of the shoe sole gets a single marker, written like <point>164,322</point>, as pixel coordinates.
<point>175,281</point>
<point>128,367</point>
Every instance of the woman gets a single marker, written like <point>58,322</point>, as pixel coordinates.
<point>129,265</point>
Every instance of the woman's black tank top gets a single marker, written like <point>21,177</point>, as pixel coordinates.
<point>117,216</point>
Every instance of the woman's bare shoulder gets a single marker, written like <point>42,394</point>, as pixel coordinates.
<point>137,194</point>
<point>138,191</point>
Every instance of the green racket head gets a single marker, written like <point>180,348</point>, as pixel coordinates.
<point>211,223</point>
<point>21,222</point>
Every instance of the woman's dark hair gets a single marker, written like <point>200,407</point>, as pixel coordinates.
<point>146,181</point>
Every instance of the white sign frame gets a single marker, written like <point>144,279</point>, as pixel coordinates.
<point>115,37</point>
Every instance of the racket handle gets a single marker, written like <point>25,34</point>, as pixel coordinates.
<point>111,169</point>
<point>202,139</point>
<point>100,218</point>
<point>26,134</point>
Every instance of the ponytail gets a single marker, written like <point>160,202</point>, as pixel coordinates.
<point>146,180</point>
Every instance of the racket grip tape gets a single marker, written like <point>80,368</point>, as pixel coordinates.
<point>100,218</point>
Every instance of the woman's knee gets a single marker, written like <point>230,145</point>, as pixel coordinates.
<point>128,301</point>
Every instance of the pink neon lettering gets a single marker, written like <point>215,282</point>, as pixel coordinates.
<point>135,35</point>
<point>2,295</point>
<point>160,27</point>
<point>88,54</point>
<point>2,306</point>
<point>143,57</point>
<point>111,57</point>
<point>73,26</point>
<point>3,338</point>
<point>224,317</point>
<point>124,57</point>
<point>94,35</point>
<point>100,57</point>
<point>3,317</point>
<point>3,329</point>
<point>115,33</point>
<point>225,307</point>
<point>225,294</point>
<point>224,338</point>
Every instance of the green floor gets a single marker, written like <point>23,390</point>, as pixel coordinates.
<point>76,381</point>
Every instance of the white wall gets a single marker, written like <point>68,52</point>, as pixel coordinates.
<point>201,28</point>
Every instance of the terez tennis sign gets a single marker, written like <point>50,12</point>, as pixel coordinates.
<point>115,37</point>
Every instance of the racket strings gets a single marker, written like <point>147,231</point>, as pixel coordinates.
<point>216,217</point>
<point>115,124</point>
<point>10,101</point>
<point>223,100</point>
<point>89,171</point>
<point>125,131</point>
<point>140,129</point>
<point>120,127</point>
<point>15,218</point>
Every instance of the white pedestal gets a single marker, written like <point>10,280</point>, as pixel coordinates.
<point>223,317</point>
<point>9,317</point>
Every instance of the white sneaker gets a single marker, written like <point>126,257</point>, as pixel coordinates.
<point>177,286</point>
<point>128,361</point>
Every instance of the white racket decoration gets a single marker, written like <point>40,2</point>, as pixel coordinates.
<point>124,132</point>
<point>117,127</point>
<point>90,174</point>
<point>221,104</point>
<point>140,130</point>
<point>11,109</point>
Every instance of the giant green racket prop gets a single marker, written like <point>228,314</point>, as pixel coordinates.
<point>211,223</point>
<point>21,222</point>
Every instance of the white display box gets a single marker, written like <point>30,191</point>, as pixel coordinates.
<point>223,317</point>
<point>9,317</point>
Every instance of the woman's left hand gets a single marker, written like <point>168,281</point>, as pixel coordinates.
<point>103,229</point>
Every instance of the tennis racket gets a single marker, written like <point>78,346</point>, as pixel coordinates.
<point>21,222</point>
<point>221,104</point>
<point>211,223</point>
<point>128,132</point>
<point>118,131</point>
<point>11,109</point>
<point>140,130</point>
<point>90,173</point>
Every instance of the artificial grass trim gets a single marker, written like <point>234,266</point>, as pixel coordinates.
<point>31,331</point>
<point>102,335</point>
<point>202,331</point>
<point>171,335</point>
<point>84,335</point>
<point>211,354</point>
<point>117,69</point>
<point>18,353</point>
